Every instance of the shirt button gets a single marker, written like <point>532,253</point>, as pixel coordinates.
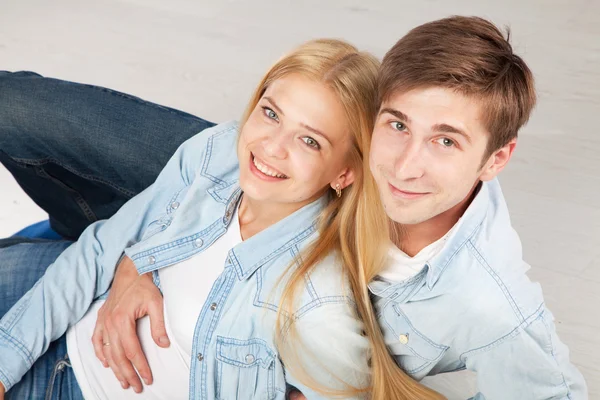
<point>213,306</point>
<point>151,260</point>
<point>174,205</point>
<point>249,359</point>
<point>200,357</point>
<point>198,242</point>
<point>403,338</point>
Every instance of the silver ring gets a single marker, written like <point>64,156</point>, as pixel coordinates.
<point>106,344</point>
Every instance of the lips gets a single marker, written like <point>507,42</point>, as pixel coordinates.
<point>266,169</point>
<point>406,194</point>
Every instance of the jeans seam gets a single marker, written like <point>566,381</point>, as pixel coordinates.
<point>43,161</point>
<point>143,102</point>
<point>79,200</point>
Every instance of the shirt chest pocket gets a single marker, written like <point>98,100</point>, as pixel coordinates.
<point>246,369</point>
<point>415,353</point>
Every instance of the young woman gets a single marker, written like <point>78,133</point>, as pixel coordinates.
<point>245,246</point>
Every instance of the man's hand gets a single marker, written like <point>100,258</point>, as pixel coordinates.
<point>116,344</point>
<point>1,391</point>
<point>296,395</point>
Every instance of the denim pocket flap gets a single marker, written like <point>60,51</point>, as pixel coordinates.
<point>407,337</point>
<point>244,353</point>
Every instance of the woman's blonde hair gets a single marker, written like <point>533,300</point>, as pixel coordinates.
<point>352,76</point>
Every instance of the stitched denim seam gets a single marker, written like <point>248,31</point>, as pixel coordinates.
<point>5,379</point>
<point>213,326</point>
<point>55,371</point>
<point>175,243</point>
<point>497,279</point>
<point>209,147</point>
<point>262,304</point>
<point>419,368</point>
<point>219,380</point>
<point>320,302</point>
<point>548,332</point>
<point>266,364</point>
<point>46,160</point>
<point>11,318</point>
<point>295,250</point>
<point>257,361</point>
<point>143,102</point>
<point>18,346</point>
<point>415,330</point>
<point>169,210</point>
<point>282,249</point>
<point>515,332</point>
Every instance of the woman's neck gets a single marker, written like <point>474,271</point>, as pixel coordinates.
<point>256,216</point>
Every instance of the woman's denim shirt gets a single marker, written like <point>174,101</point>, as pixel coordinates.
<point>189,207</point>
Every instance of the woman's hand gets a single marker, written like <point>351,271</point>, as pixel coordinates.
<point>116,344</point>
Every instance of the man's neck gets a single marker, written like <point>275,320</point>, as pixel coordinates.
<point>411,239</point>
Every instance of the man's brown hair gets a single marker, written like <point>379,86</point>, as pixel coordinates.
<point>471,56</point>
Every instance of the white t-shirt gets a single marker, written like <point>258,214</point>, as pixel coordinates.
<point>401,266</point>
<point>186,286</point>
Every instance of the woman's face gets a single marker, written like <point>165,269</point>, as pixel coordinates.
<point>295,144</point>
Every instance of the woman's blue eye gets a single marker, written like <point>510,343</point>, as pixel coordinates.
<point>311,142</point>
<point>270,113</point>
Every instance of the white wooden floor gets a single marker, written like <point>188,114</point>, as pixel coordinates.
<point>204,57</point>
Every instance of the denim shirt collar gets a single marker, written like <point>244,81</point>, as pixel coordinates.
<point>256,251</point>
<point>472,219</point>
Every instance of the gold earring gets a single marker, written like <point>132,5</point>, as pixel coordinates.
<point>338,190</point>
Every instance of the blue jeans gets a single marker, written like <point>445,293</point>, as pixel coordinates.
<point>80,152</point>
<point>22,263</point>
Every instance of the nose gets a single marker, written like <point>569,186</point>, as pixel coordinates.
<point>409,162</point>
<point>275,145</point>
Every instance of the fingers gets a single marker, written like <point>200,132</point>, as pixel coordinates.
<point>133,352</point>
<point>97,338</point>
<point>157,322</point>
<point>118,361</point>
<point>111,364</point>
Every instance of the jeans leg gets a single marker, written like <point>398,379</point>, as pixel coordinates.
<point>50,378</point>
<point>81,151</point>
<point>23,262</point>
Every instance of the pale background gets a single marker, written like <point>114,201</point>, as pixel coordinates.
<point>205,57</point>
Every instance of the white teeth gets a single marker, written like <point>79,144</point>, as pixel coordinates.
<point>266,170</point>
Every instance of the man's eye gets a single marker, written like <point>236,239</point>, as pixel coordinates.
<point>446,142</point>
<point>399,126</point>
<point>311,142</point>
<point>270,113</point>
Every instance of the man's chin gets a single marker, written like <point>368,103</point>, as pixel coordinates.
<point>402,215</point>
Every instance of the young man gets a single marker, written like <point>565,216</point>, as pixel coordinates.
<point>455,295</point>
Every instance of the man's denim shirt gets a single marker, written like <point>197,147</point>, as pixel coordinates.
<point>472,307</point>
<point>188,207</point>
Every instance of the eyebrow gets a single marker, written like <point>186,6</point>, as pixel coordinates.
<point>305,126</point>
<point>396,113</point>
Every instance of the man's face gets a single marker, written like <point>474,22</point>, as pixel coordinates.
<point>427,151</point>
